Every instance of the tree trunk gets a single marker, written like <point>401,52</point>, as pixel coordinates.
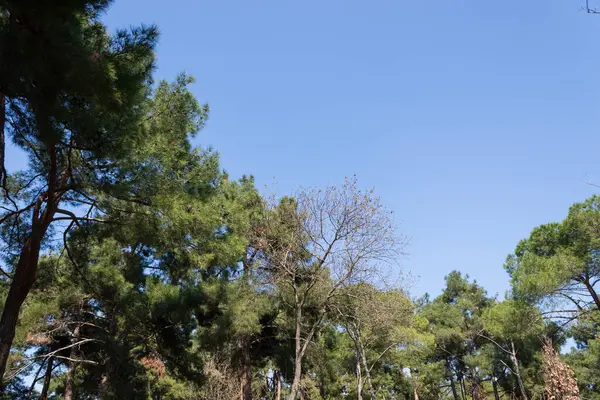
<point>517,371</point>
<point>495,387</point>
<point>25,271</point>
<point>416,395</point>
<point>20,286</point>
<point>2,137</point>
<point>450,377</point>
<point>367,371</point>
<point>47,379</point>
<point>298,355</point>
<point>453,387</point>
<point>246,392</point>
<point>277,377</point>
<point>593,293</point>
<point>72,367</point>
<point>246,381</point>
<point>359,380</point>
<point>475,388</point>
<point>463,390</point>
<point>103,388</point>
<point>34,381</point>
<point>296,381</point>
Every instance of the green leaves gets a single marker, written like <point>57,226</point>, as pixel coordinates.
<point>513,320</point>
<point>559,263</point>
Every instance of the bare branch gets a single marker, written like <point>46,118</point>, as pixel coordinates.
<point>53,353</point>
<point>591,10</point>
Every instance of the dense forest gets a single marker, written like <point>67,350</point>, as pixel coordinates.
<point>134,267</point>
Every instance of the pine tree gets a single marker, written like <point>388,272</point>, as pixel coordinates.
<point>72,99</point>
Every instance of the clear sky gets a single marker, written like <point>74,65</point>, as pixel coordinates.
<point>474,120</point>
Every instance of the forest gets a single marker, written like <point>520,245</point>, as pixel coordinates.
<point>134,267</point>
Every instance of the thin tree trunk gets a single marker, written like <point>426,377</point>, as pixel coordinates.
<point>103,392</point>
<point>277,377</point>
<point>517,371</point>
<point>463,390</point>
<point>104,386</point>
<point>47,379</point>
<point>416,395</point>
<point>367,371</point>
<point>35,379</point>
<point>353,333</point>
<point>495,387</point>
<point>475,389</point>
<point>268,384</point>
<point>453,387</point>
<point>246,390</point>
<point>246,381</point>
<point>72,367</point>
<point>298,355</point>
<point>359,380</point>
<point>2,138</point>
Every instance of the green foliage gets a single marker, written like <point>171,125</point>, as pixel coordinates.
<point>560,260</point>
<point>513,320</point>
<point>160,277</point>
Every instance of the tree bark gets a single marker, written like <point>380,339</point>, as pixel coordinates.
<point>246,379</point>
<point>2,137</point>
<point>363,357</point>
<point>475,389</point>
<point>34,381</point>
<point>25,271</point>
<point>463,390</point>
<point>72,367</point>
<point>103,388</point>
<point>517,371</point>
<point>495,387</point>
<point>47,379</point>
<point>277,377</point>
<point>452,384</point>
<point>19,289</point>
<point>359,380</point>
<point>592,293</point>
<point>298,354</point>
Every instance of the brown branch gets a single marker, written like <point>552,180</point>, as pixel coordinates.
<point>2,138</point>
<point>6,274</point>
<point>77,219</point>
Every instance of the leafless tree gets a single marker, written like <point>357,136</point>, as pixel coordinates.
<point>319,242</point>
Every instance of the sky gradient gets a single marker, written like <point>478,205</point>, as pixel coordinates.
<point>474,121</point>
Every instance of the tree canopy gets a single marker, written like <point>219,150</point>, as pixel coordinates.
<point>135,267</point>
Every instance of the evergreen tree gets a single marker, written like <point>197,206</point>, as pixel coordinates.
<point>72,98</point>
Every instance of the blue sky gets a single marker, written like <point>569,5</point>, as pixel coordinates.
<point>475,121</point>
